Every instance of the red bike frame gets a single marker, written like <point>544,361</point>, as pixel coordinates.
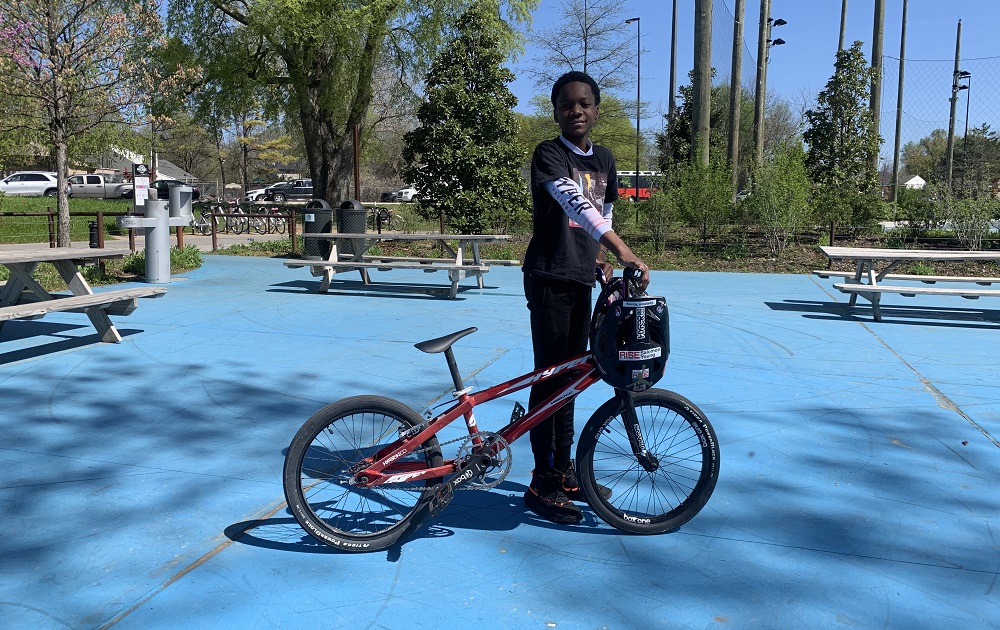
<point>384,467</point>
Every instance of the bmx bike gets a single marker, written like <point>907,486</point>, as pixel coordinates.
<point>364,471</point>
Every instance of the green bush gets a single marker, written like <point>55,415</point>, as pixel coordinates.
<point>181,260</point>
<point>779,205</point>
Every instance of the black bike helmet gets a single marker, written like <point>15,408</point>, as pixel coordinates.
<point>629,336</point>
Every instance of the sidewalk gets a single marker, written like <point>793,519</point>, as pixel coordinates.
<point>202,242</point>
<point>140,483</point>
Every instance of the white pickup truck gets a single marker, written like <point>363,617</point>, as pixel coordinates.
<point>101,186</point>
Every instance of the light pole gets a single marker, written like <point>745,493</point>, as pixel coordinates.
<point>638,104</point>
<point>965,139</point>
<point>764,45</point>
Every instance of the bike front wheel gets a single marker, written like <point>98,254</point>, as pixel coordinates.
<point>686,451</point>
<point>318,481</point>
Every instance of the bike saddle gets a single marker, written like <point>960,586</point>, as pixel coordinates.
<point>441,344</point>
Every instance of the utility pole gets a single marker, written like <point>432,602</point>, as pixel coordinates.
<point>876,96</point>
<point>703,79</point>
<point>843,25</point>
<point>763,34</point>
<point>735,96</point>
<point>672,107</point>
<point>899,110</point>
<point>954,101</point>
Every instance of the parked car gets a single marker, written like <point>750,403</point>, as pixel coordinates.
<point>101,186</point>
<point>407,194</point>
<point>258,193</point>
<point>163,186</point>
<point>295,190</point>
<point>388,196</point>
<point>30,183</point>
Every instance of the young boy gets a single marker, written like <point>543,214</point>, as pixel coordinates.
<point>573,185</point>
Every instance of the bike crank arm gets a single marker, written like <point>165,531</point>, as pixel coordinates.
<point>634,432</point>
<point>475,467</point>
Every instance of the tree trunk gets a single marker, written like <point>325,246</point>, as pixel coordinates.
<point>57,131</point>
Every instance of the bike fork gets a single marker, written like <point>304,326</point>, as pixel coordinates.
<point>634,432</point>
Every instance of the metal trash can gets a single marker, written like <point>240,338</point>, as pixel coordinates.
<point>316,220</point>
<point>351,217</point>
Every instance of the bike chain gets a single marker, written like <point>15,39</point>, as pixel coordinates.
<point>481,434</point>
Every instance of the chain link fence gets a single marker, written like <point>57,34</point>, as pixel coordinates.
<point>925,119</point>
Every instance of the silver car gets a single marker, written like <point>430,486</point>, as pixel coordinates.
<point>26,183</point>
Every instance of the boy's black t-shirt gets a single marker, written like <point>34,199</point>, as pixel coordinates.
<point>560,248</point>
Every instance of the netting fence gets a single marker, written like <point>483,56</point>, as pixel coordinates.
<point>925,119</point>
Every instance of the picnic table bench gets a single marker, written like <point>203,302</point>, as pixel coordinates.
<point>22,297</point>
<point>866,281</point>
<point>348,252</point>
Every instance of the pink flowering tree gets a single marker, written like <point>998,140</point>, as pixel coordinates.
<point>77,73</point>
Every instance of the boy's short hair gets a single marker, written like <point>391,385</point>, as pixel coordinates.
<point>571,77</point>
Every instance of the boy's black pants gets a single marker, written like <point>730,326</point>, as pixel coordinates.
<point>560,327</point>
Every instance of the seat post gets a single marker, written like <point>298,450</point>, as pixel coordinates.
<point>456,377</point>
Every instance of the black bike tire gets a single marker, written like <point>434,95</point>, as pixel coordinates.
<point>354,530</point>
<point>678,434</point>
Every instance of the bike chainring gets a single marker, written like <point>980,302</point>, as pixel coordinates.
<point>502,460</point>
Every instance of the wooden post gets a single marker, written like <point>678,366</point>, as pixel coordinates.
<point>736,97</point>
<point>876,95</point>
<point>703,79</point>
<point>763,34</point>
<point>899,114</point>
<point>52,227</point>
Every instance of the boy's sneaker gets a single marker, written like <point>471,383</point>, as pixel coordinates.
<point>571,485</point>
<point>545,497</point>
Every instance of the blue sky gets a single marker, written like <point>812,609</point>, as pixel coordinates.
<point>800,68</point>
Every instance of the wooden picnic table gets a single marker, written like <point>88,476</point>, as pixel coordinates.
<point>867,281</point>
<point>349,252</point>
<point>22,297</point>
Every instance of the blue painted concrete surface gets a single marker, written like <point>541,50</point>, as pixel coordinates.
<point>140,482</point>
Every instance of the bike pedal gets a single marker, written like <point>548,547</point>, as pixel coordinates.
<point>441,499</point>
<point>517,413</point>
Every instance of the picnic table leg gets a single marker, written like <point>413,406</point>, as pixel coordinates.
<point>477,260</point>
<point>858,272</point>
<point>78,285</point>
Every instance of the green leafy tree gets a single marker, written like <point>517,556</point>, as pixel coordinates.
<point>463,158</point>
<point>844,143</point>
<point>926,157</point>
<point>703,196</point>
<point>76,76</point>
<point>324,57</point>
<point>779,205</point>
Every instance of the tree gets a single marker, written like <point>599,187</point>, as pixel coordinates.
<point>463,157</point>
<point>779,204</point>
<point>843,141</point>
<point>591,37</point>
<point>703,196</point>
<point>76,76</point>
<point>927,157</point>
<point>324,56</point>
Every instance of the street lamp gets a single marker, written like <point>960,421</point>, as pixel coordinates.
<point>638,103</point>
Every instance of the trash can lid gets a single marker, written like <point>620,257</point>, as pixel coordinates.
<point>351,204</point>
<point>320,204</point>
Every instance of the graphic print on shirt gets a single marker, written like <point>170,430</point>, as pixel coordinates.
<point>592,186</point>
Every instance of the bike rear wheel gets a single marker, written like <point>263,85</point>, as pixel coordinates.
<point>317,480</point>
<point>684,444</point>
